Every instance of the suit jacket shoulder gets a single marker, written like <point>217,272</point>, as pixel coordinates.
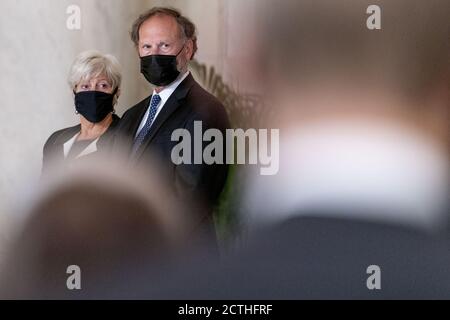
<point>136,109</point>
<point>53,147</point>
<point>60,136</point>
<point>207,107</point>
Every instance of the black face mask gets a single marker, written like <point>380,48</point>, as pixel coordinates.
<point>94,105</point>
<point>160,70</point>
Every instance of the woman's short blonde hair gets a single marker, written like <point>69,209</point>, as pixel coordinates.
<point>90,64</point>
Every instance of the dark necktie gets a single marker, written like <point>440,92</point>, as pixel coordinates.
<point>156,99</point>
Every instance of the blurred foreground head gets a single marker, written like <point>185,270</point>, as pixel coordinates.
<point>310,49</point>
<point>109,220</point>
<point>310,45</point>
<point>363,114</point>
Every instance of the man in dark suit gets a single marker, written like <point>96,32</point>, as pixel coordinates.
<point>166,42</point>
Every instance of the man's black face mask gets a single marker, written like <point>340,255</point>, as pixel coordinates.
<point>94,105</point>
<point>160,70</point>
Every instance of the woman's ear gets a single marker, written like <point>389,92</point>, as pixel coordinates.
<point>116,96</point>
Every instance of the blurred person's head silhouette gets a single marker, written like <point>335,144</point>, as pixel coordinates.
<point>110,221</point>
<point>363,114</point>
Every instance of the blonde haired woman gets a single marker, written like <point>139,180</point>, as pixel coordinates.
<point>95,79</point>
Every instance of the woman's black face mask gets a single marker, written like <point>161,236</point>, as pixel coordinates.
<point>160,70</point>
<point>94,105</point>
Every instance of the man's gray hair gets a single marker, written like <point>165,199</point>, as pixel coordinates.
<point>186,26</point>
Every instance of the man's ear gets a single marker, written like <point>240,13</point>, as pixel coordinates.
<point>189,50</point>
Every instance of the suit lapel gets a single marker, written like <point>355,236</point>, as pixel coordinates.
<point>91,148</point>
<point>63,138</point>
<point>138,117</point>
<point>172,104</point>
<point>124,136</point>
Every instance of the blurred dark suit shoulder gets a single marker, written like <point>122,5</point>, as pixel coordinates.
<point>323,258</point>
